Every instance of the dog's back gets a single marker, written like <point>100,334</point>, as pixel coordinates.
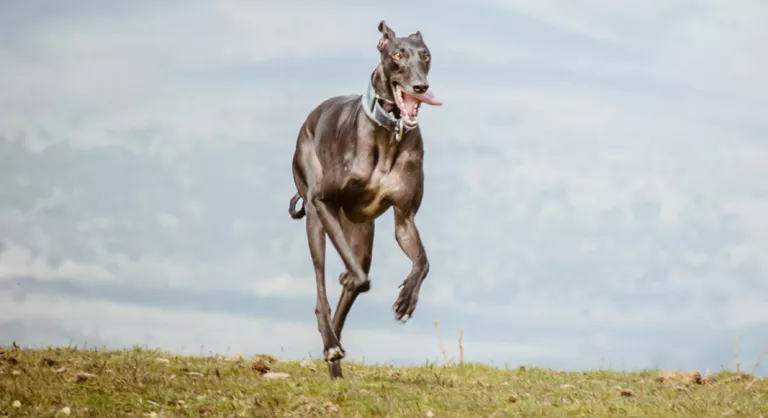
<point>333,116</point>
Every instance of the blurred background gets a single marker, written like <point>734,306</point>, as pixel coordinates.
<point>595,183</point>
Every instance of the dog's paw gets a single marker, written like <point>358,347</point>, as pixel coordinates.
<point>333,354</point>
<point>405,304</point>
<point>352,283</point>
<point>401,319</point>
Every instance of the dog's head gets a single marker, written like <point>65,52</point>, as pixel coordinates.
<point>405,63</point>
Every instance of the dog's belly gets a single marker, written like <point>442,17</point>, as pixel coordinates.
<point>367,207</point>
<point>372,201</point>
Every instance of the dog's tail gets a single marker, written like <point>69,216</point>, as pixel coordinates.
<point>296,214</point>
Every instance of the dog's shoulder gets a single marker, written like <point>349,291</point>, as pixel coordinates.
<point>341,100</point>
<point>335,104</point>
<point>338,106</point>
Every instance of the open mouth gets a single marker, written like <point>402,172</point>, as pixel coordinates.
<point>409,103</point>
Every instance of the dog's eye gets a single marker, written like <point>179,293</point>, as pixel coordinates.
<point>397,56</point>
<point>426,57</point>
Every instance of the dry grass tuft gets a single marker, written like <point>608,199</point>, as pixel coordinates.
<point>440,342</point>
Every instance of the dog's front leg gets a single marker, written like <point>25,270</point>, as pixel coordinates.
<point>357,280</point>
<point>408,238</point>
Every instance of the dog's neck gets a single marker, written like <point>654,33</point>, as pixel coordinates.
<point>378,105</point>
<point>383,91</point>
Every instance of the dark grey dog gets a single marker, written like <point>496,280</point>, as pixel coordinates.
<point>357,156</point>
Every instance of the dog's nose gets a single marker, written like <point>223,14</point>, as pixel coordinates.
<point>421,88</point>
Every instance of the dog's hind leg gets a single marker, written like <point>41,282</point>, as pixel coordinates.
<point>308,173</point>
<point>332,350</point>
<point>360,237</point>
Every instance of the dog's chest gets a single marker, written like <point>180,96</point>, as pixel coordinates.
<point>375,192</point>
<point>377,178</point>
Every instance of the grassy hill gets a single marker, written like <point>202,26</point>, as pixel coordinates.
<point>138,382</point>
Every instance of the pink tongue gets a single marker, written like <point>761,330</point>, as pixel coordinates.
<point>428,98</point>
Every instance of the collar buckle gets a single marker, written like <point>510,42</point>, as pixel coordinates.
<point>399,132</point>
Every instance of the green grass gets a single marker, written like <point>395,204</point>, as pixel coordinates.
<point>142,382</point>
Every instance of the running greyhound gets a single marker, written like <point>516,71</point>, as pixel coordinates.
<point>356,156</point>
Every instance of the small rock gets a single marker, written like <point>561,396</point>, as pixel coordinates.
<point>627,393</point>
<point>61,369</point>
<point>308,364</point>
<point>64,411</point>
<point>429,414</point>
<point>195,374</point>
<point>48,362</point>
<point>512,398</point>
<point>276,375</point>
<point>162,360</point>
<point>16,372</point>
<point>83,376</point>
<point>261,364</point>
<point>681,377</point>
<point>566,386</point>
<point>270,359</point>
<point>331,407</point>
<point>16,404</point>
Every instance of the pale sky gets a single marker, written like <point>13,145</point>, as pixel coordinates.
<point>595,182</point>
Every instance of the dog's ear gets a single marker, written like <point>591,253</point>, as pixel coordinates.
<point>387,35</point>
<point>416,36</point>
<point>386,31</point>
